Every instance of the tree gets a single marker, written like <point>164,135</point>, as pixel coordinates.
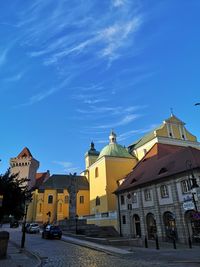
<point>15,193</point>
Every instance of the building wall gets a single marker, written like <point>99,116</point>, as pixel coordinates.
<point>178,131</point>
<point>158,206</point>
<point>116,169</point>
<point>39,207</point>
<point>98,186</point>
<point>26,167</point>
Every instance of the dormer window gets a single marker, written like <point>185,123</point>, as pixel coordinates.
<point>162,170</point>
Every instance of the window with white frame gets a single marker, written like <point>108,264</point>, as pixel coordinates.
<point>134,197</point>
<point>164,191</point>
<point>147,195</point>
<point>185,186</point>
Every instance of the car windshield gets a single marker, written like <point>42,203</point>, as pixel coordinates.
<point>34,225</point>
<point>55,228</point>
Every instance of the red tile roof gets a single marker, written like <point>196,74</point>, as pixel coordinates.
<point>41,177</point>
<point>25,153</point>
<point>161,161</point>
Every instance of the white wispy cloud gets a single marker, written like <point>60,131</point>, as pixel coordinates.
<point>101,38</point>
<point>124,121</point>
<point>114,111</point>
<point>3,56</point>
<point>14,78</point>
<point>44,94</point>
<point>118,3</point>
<point>68,167</point>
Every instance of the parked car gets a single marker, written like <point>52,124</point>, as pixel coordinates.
<point>14,224</point>
<point>32,228</point>
<point>52,231</point>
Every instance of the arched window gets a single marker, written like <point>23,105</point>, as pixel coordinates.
<point>151,226</point>
<point>96,172</point>
<point>50,199</point>
<point>98,201</point>
<point>170,225</point>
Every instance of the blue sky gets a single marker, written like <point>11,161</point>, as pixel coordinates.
<point>70,71</point>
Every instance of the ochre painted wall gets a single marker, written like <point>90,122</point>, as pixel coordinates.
<point>98,186</point>
<point>110,170</point>
<point>39,207</point>
<point>116,169</point>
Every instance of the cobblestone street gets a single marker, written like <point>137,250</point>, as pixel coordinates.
<point>58,253</point>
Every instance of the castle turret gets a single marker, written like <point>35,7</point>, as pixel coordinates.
<point>25,165</point>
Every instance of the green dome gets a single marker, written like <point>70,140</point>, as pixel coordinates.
<point>115,150</point>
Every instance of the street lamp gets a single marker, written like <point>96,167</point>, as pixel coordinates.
<point>24,226</point>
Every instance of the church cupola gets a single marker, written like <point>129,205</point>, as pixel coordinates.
<point>91,155</point>
<point>112,137</point>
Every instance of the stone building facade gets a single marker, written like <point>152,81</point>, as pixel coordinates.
<point>160,197</point>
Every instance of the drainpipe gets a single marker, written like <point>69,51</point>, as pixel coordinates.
<point>119,214</point>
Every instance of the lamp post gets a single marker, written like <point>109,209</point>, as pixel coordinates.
<point>24,226</point>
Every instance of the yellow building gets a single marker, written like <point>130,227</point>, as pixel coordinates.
<point>172,131</point>
<point>51,200</point>
<point>103,171</point>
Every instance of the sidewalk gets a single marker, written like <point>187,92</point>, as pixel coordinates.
<point>182,255</point>
<point>19,258</point>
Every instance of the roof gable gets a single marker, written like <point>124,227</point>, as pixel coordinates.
<point>25,153</point>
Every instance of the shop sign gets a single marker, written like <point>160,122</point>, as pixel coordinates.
<point>188,205</point>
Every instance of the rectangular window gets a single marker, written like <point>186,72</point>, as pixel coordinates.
<point>147,195</point>
<point>124,219</point>
<point>81,199</point>
<point>134,197</point>
<point>122,200</point>
<point>185,186</point>
<point>164,191</point>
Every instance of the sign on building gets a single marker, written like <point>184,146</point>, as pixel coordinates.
<point>188,205</point>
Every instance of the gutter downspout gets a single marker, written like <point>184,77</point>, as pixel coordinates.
<point>119,214</point>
